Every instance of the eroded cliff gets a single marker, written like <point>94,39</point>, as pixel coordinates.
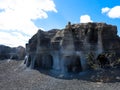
<point>65,50</point>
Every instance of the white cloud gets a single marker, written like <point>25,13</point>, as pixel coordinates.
<point>17,16</point>
<point>13,39</point>
<point>105,10</point>
<point>85,19</point>
<point>113,12</point>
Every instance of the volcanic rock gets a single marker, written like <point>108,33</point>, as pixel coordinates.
<point>65,49</point>
<point>7,52</point>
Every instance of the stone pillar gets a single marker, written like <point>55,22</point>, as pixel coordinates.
<point>56,60</point>
<point>27,62</point>
<point>33,58</point>
<point>100,45</point>
<point>83,61</point>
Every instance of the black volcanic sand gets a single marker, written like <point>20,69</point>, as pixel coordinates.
<point>14,76</point>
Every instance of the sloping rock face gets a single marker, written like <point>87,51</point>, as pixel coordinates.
<point>65,50</point>
<point>4,52</point>
<point>7,52</point>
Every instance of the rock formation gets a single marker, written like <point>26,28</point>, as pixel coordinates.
<point>4,52</point>
<point>17,53</point>
<point>65,50</point>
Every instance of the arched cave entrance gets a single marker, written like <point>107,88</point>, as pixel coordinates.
<point>74,65</point>
<point>103,60</point>
<point>44,62</point>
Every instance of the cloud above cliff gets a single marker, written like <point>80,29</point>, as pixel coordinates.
<point>13,39</point>
<point>17,16</point>
<point>111,12</point>
<point>85,19</point>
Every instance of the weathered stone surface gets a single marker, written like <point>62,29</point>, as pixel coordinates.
<point>65,50</point>
<point>7,52</point>
<point>20,52</point>
<point>4,52</point>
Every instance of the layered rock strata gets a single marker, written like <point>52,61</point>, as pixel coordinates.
<point>65,50</point>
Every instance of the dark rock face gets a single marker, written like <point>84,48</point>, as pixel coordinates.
<point>17,53</point>
<point>20,52</point>
<point>65,50</point>
<point>4,52</point>
<point>103,60</point>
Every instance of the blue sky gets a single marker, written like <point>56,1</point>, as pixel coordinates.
<point>72,10</point>
<point>20,19</point>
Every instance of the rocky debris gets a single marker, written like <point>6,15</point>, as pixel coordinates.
<point>14,77</point>
<point>65,50</point>
<point>17,53</point>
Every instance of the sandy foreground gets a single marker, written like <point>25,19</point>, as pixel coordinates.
<point>14,76</point>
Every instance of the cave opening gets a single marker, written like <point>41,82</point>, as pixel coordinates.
<point>74,66</point>
<point>44,62</point>
<point>103,60</point>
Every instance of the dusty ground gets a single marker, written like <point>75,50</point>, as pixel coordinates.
<point>14,76</point>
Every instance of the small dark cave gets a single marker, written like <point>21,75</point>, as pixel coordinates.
<point>44,62</point>
<point>75,66</point>
<point>103,60</point>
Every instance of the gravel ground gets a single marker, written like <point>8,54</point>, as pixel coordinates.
<point>14,76</point>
